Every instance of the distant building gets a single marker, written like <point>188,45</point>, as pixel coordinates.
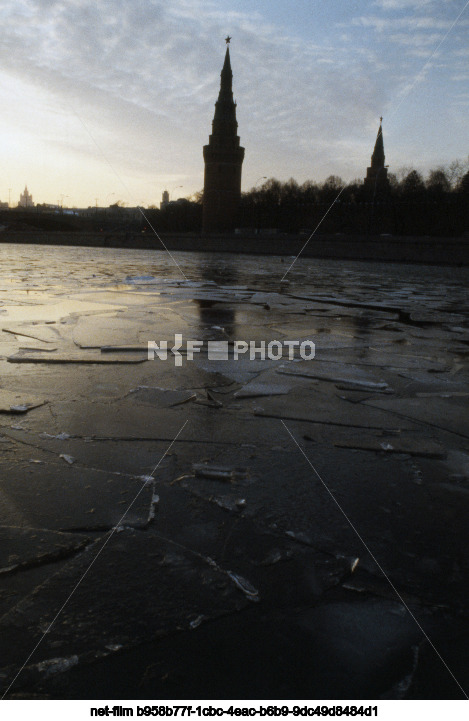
<point>376,181</point>
<point>3,205</point>
<point>26,199</point>
<point>164,199</point>
<point>223,158</point>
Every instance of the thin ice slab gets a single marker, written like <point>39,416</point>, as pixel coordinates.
<point>336,371</point>
<point>350,379</point>
<point>161,397</point>
<point>97,331</point>
<point>55,310</point>
<point>275,564</point>
<point>17,585</point>
<point>40,332</point>
<point>13,402</point>
<point>139,588</point>
<point>76,357</point>
<point>126,420</point>
<point>255,390</point>
<point>363,645</point>
<point>65,497</point>
<point>27,547</point>
<point>373,357</point>
<point>319,408</point>
<point>122,420</point>
<point>438,412</point>
<point>417,447</point>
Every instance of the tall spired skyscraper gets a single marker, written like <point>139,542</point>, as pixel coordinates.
<point>376,180</point>
<point>223,158</point>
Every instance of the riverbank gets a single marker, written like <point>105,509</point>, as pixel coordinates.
<point>427,250</point>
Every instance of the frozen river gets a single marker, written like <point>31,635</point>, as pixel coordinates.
<point>295,508</point>
<point>68,269</point>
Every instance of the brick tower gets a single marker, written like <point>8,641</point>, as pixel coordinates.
<point>223,158</point>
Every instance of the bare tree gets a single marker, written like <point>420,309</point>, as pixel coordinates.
<point>437,181</point>
<point>455,171</point>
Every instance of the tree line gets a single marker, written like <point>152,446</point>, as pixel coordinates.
<point>411,204</point>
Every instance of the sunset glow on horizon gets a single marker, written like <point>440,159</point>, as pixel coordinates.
<point>109,101</point>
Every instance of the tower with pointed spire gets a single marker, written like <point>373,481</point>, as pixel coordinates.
<point>376,180</point>
<point>223,157</point>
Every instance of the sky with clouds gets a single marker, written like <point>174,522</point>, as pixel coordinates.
<point>111,100</point>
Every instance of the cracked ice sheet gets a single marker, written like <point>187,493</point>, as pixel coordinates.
<point>283,570</point>
<point>63,498</point>
<point>242,370</point>
<point>316,327</point>
<point>118,294</point>
<point>40,331</point>
<point>130,327</point>
<point>415,447</point>
<point>55,310</point>
<point>384,496</point>
<point>93,382</point>
<point>98,331</point>
<point>368,356</point>
<point>140,588</point>
<point>365,644</point>
<point>126,420</point>
<point>335,372</point>
<point>88,357</point>
<point>22,548</point>
<point>280,490</point>
<point>11,402</point>
<point>15,586</point>
<point>255,389</point>
<point>445,414</point>
<point>111,457</point>
<point>160,397</point>
<point>316,407</point>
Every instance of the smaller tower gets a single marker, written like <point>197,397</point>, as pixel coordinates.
<point>164,199</point>
<point>376,180</point>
